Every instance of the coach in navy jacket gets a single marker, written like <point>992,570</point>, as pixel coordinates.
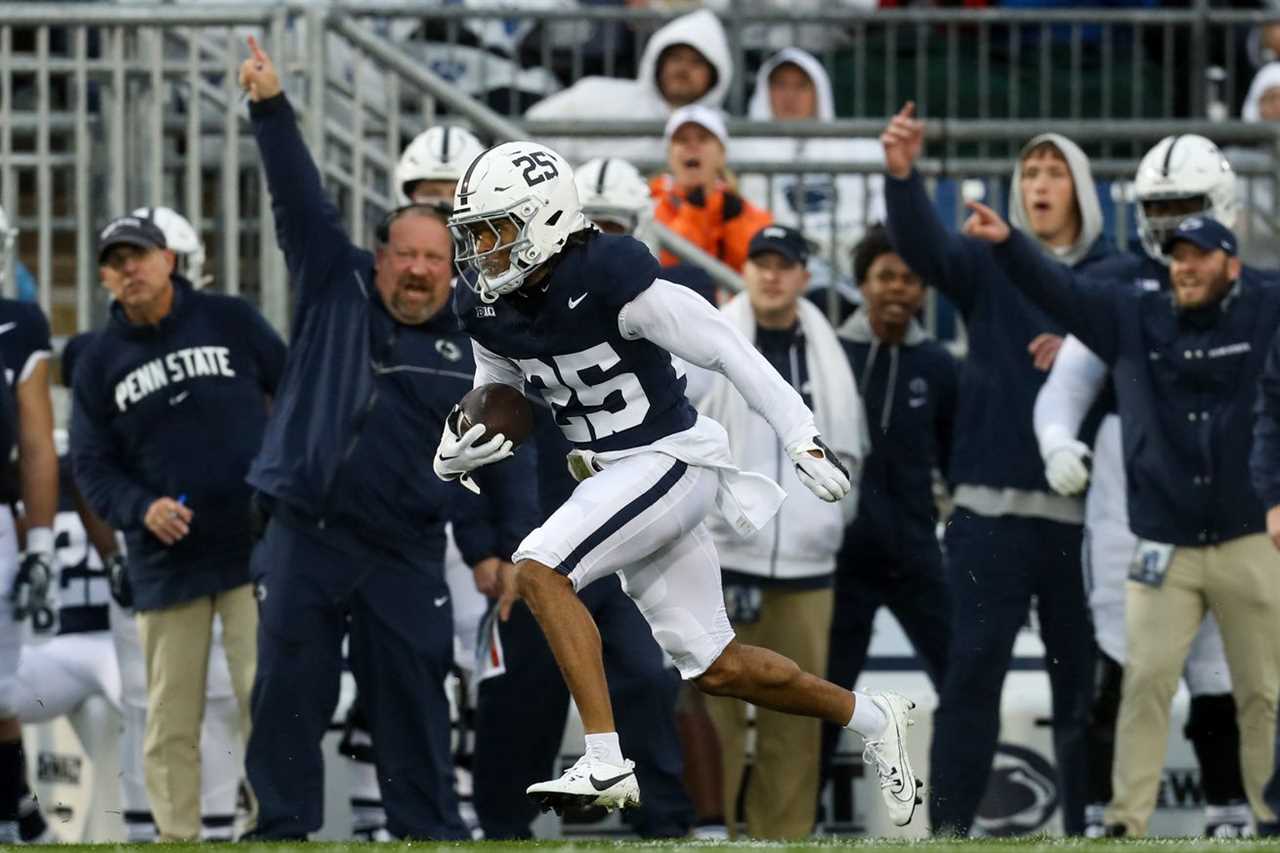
<point>1186,364</point>
<point>170,403</point>
<point>176,409</point>
<point>1011,540</point>
<point>376,363</point>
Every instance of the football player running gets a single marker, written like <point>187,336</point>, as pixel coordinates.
<point>586,319</point>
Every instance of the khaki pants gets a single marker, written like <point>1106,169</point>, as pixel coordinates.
<point>781,801</point>
<point>1240,582</point>
<point>175,643</point>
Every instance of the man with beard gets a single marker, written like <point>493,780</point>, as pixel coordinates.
<point>355,538</point>
<point>1186,363</point>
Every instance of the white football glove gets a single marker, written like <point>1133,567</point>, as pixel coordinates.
<point>824,475</point>
<point>1066,465</point>
<point>458,455</point>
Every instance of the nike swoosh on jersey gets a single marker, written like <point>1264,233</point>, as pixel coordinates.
<point>573,303</point>
<point>439,602</point>
<point>7,327</point>
<point>178,398</point>
<point>606,784</point>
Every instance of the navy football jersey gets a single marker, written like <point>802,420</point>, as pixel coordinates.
<point>607,392</point>
<point>84,592</point>
<point>24,342</point>
<point>24,339</point>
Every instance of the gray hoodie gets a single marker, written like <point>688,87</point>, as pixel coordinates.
<point>1086,198</point>
<point>832,210</point>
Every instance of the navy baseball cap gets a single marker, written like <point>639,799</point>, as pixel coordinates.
<point>130,231</point>
<point>788,242</point>
<point>1208,234</point>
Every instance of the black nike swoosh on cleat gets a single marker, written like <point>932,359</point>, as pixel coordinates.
<point>606,784</point>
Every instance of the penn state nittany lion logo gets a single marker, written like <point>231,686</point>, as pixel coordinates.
<point>1022,793</point>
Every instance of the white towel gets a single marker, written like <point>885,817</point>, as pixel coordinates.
<point>837,407</point>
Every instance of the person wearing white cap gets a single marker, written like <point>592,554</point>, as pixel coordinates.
<point>696,199</point>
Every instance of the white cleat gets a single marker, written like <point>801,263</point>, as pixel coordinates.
<point>888,754</point>
<point>589,784</point>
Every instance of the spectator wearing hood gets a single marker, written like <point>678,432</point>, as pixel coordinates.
<point>686,62</point>
<point>1263,101</point>
<point>1170,183</point>
<point>695,199</point>
<point>833,210</point>
<point>1256,234</point>
<point>1011,538</point>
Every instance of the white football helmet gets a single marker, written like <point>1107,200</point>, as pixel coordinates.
<point>8,235</point>
<point>522,195</point>
<point>1183,167</point>
<point>181,238</point>
<point>613,190</point>
<point>441,153</point>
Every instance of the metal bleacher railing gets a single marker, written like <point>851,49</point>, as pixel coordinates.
<point>108,106</point>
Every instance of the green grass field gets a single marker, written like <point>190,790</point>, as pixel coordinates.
<point>1031,843</point>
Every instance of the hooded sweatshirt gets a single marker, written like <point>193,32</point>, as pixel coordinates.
<point>995,460</point>
<point>1268,77</point>
<point>830,210</point>
<point>608,98</point>
<point>1254,194</point>
<point>909,392</point>
<point>1086,202</point>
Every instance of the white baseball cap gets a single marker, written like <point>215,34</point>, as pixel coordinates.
<point>700,115</point>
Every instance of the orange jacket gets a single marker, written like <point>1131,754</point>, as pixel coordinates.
<point>722,223</point>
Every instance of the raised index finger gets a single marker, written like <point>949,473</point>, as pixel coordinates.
<point>981,209</point>
<point>256,50</point>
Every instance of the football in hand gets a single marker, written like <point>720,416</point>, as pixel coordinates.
<point>500,408</point>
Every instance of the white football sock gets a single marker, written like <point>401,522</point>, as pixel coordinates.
<point>868,720</point>
<point>605,747</point>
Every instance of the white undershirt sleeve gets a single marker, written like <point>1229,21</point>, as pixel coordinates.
<point>1075,381</point>
<point>491,367</point>
<point>685,325</point>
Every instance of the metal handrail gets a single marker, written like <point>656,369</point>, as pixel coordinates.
<point>162,14</point>
<point>938,130</point>
<point>439,88</point>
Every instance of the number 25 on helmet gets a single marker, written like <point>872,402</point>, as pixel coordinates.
<point>513,210</point>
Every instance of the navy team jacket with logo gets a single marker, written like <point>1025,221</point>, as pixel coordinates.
<point>177,409</point>
<point>1186,385</point>
<point>363,400</point>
